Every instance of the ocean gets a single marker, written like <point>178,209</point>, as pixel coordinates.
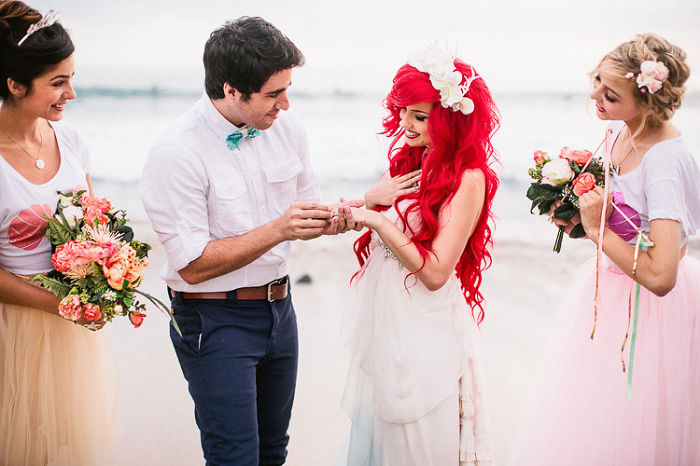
<point>347,153</point>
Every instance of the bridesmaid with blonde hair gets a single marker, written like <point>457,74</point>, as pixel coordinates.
<point>593,408</point>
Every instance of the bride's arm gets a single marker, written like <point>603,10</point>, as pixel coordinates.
<point>456,221</point>
<point>14,290</point>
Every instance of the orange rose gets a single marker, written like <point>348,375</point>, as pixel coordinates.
<point>584,183</point>
<point>115,269</point>
<point>581,157</point>
<point>136,318</point>
<point>92,312</point>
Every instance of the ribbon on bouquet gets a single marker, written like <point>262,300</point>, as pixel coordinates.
<point>601,230</point>
<point>642,241</point>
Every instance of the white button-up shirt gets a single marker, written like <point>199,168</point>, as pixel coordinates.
<point>196,190</point>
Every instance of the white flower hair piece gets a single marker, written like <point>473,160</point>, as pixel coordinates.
<point>445,78</point>
<point>47,20</point>
<point>651,76</point>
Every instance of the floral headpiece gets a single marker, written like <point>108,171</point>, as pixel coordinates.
<point>47,20</point>
<point>651,76</point>
<point>445,78</point>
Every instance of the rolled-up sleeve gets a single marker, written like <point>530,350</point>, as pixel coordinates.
<point>173,189</point>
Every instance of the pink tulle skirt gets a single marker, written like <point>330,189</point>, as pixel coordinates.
<point>581,414</point>
<point>58,391</point>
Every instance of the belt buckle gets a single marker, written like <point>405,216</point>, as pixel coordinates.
<point>269,289</point>
<point>279,281</point>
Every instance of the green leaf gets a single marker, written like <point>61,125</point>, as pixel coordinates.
<point>160,305</point>
<point>577,232</point>
<point>55,285</point>
<point>566,211</point>
<point>127,234</point>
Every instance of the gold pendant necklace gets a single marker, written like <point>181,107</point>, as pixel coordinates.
<point>616,166</point>
<point>38,162</point>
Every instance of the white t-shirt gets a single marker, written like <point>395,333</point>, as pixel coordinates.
<point>663,186</point>
<point>24,248</point>
<point>196,190</point>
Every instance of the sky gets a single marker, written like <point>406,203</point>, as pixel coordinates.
<point>354,46</point>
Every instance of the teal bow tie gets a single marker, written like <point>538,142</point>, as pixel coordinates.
<point>235,138</point>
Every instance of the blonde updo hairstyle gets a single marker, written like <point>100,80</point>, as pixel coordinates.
<point>628,57</point>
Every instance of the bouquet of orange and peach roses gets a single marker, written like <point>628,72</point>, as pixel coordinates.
<point>558,183</point>
<point>98,263</point>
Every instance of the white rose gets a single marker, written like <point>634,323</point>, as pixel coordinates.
<point>72,214</point>
<point>65,201</point>
<point>466,106</point>
<point>448,85</point>
<point>556,172</point>
<point>648,67</point>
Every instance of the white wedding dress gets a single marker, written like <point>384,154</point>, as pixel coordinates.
<point>413,392</point>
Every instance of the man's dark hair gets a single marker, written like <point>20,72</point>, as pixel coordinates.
<point>245,53</point>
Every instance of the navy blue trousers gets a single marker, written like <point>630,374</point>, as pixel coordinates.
<point>240,360</point>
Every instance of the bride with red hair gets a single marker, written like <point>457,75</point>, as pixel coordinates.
<point>414,391</point>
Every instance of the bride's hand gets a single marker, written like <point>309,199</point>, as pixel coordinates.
<point>386,191</point>
<point>366,217</point>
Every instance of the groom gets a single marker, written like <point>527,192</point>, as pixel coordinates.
<point>226,188</point>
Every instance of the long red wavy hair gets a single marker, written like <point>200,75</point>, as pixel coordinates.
<point>459,142</point>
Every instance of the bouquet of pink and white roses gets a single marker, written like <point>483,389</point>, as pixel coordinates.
<point>560,181</point>
<point>98,263</point>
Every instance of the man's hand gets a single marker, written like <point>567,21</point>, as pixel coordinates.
<point>342,219</point>
<point>304,220</point>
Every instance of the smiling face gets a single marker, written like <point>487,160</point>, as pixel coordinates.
<point>414,119</point>
<point>262,108</point>
<point>613,98</point>
<point>49,93</point>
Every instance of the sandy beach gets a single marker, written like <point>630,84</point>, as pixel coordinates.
<point>522,290</point>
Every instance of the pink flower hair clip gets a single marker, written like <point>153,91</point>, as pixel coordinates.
<point>651,76</point>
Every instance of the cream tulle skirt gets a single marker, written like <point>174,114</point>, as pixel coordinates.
<point>581,414</point>
<point>58,391</point>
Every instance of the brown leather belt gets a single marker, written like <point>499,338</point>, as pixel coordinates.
<point>273,291</point>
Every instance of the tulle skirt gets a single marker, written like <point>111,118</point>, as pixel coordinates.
<point>414,390</point>
<point>58,391</point>
<point>581,414</point>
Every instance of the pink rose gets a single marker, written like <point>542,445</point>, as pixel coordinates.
<point>95,209</point>
<point>70,307</point>
<point>540,156</point>
<point>65,256</point>
<point>136,318</point>
<point>92,312</point>
<point>584,183</point>
<point>581,157</point>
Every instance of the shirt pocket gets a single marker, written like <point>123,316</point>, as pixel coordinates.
<point>231,206</point>
<point>282,183</point>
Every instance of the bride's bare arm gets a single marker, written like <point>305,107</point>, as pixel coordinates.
<point>14,290</point>
<point>457,220</point>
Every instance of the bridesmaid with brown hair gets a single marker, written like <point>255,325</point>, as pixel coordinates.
<point>57,384</point>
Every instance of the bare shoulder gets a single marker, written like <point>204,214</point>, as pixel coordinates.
<point>473,182</point>
<point>471,191</point>
<point>473,176</point>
